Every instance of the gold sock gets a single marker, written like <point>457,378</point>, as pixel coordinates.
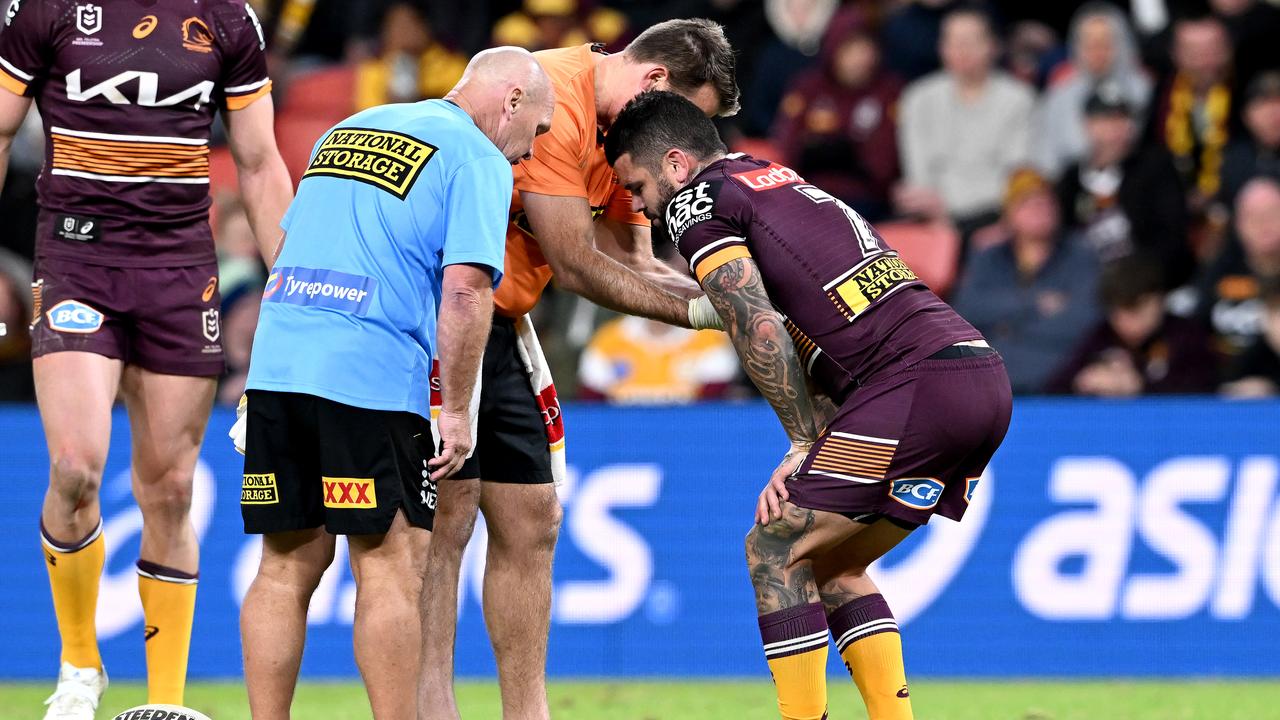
<point>867,637</point>
<point>168,606</point>
<point>795,646</point>
<point>74,573</point>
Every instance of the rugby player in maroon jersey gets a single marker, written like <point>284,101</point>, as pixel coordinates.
<point>893,403</point>
<point>126,283</point>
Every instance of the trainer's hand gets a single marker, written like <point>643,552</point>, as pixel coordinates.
<point>455,442</point>
<point>769,506</point>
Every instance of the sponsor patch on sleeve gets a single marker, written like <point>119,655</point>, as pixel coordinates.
<point>387,160</point>
<point>322,288</point>
<point>259,489</point>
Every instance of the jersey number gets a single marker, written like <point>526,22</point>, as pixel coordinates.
<point>866,236</point>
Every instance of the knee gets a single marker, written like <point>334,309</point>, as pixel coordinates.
<point>75,476</point>
<point>535,530</point>
<point>299,571</point>
<point>165,497</point>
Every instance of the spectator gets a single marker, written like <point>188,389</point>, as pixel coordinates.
<point>1034,296</point>
<point>1226,297</point>
<point>1258,153</point>
<point>1032,48</point>
<point>911,34</point>
<point>1257,372</point>
<point>411,64</point>
<point>798,27</point>
<point>963,129</point>
<point>1253,27</point>
<point>836,126</point>
<point>1123,197</point>
<point>1103,51</point>
<point>546,24</point>
<point>632,360</point>
<point>16,313</point>
<point>1139,348</point>
<point>1193,115</point>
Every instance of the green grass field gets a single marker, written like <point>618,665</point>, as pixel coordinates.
<point>749,700</point>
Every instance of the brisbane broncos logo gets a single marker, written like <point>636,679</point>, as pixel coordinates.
<point>196,35</point>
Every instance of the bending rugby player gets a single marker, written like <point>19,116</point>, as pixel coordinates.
<point>812,297</point>
<point>126,284</point>
<point>569,219</point>
<point>401,213</point>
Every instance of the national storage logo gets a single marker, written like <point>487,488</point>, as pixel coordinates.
<point>390,161</point>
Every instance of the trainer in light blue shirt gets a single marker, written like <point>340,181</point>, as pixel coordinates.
<point>391,196</point>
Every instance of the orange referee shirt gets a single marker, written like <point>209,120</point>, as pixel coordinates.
<point>568,161</point>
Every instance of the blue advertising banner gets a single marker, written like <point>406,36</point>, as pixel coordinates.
<point>1115,538</point>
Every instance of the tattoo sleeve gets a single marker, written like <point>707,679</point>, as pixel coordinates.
<point>763,344</point>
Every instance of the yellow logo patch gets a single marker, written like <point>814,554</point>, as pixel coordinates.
<point>388,160</point>
<point>259,490</point>
<point>874,282</point>
<point>349,493</point>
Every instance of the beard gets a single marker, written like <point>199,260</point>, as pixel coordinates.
<point>666,191</point>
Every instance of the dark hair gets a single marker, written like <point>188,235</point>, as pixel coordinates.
<point>656,121</point>
<point>694,52</point>
<point>1124,282</point>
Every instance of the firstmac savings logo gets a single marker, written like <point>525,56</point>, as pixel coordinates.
<point>119,609</point>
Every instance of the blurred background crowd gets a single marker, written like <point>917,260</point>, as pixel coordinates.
<point>1095,186</point>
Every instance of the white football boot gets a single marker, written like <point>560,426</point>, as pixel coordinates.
<point>77,694</point>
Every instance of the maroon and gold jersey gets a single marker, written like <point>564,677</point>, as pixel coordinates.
<point>127,90</point>
<point>852,305</point>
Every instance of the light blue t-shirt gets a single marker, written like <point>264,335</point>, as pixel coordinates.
<point>391,196</point>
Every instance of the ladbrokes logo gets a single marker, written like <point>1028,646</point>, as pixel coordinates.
<point>768,178</point>
<point>387,160</point>
<point>259,489</point>
<point>349,493</point>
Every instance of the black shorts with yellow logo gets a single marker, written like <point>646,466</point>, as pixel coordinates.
<point>311,462</point>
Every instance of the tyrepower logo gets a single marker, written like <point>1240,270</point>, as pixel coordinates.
<point>73,316</point>
<point>349,493</point>
<point>323,288</point>
<point>768,178</point>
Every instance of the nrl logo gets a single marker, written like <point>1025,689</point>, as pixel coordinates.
<point>88,18</point>
<point>212,328</point>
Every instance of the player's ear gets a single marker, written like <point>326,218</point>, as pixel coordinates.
<point>677,165</point>
<point>656,78</point>
<point>515,98</point>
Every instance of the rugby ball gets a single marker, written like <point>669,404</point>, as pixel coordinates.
<point>160,712</point>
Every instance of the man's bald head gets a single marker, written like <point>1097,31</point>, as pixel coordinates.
<point>509,96</point>
<point>1258,220</point>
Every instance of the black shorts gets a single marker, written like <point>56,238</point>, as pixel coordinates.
<point>312,462</point>
<point>511,433</point>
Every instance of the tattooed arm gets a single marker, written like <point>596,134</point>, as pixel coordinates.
<point>763,344</point>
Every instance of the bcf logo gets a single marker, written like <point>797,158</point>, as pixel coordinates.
<point>73,316</point>
<point>918,493</point>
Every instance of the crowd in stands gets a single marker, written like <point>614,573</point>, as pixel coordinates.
<point>1095,186</point>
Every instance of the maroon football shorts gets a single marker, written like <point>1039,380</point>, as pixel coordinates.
<point>910,444</point>
<point>161,319</point>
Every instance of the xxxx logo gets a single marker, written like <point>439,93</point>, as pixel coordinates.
<point>349,493</point>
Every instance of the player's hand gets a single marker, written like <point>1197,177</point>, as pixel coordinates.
<point>455,444</point>
<point>769,506</point>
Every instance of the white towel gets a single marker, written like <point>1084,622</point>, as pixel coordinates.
<point>544,392</point>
